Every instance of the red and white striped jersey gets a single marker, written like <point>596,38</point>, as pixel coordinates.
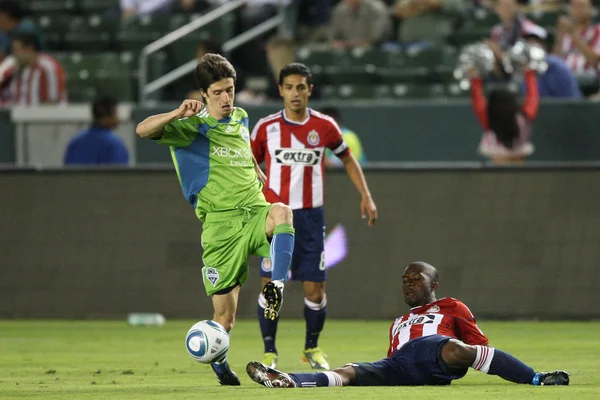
<point>574,58</point>
<point>446,316</point>
<point>294,153</point>
<point>39,83</point>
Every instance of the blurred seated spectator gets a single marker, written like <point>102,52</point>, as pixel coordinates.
<point>557,81</point>
<point>313,20</point>
<point>359,23</point>
<point>427,21</point>
<point>99,144</point>
<point>37,78</point>
<point>134,8</point>
<point>507,127</point>
<point>512,27</point>
<point>13,20</point>
<point>578,41</point>
<point>350,137</point>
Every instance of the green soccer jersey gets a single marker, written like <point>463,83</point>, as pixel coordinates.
<point>213,160</point>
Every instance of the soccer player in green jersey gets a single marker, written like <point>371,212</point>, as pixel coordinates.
<point>210,147</point>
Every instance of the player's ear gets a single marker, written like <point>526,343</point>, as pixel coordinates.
<point>434,286</point>
<point>280,90</point>
<point>310,89</point>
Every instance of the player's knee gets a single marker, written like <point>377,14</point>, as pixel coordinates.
<point>458,354</point>
<point>281,214</point>
<point>347,373</point>
<point>315,293</point>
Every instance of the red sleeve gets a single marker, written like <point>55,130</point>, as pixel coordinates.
<point>257,141</point>
<point>479,102</point>
<point>334,140</point>
<point>391,346</point>
<point>466,326</point>
<point>532,96</point>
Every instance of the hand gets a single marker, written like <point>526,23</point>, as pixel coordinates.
<point>565,25</point>
<point>367,206</point>
<point>189,108</point>
<point>494,46</point>
<point>472,73</point>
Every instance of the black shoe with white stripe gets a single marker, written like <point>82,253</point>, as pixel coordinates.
<point>269,377</point>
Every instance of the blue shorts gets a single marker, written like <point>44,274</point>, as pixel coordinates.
<point>308,261</point>
<point>418,362</point>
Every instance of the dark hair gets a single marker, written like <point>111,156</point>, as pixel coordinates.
<point>13,9</point>
<point>428,269</point>
<point>27,39</point>
<point>295,69</point>
<point>103,107</point>
<point>213,68</point>
<point>502,116</point>
<point>332,112</point>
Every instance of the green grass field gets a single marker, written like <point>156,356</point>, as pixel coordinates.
<point>99,359</point>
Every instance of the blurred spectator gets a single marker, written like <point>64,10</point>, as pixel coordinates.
<point>512,27</point>
<point>507,127</point>
<point>38,78</point>
<point>12,21</point>
<point>349,137</point>
<point>99,144</point>
<point>428,21</point>
<point>578,40</point>
<point>359,23</point>
<point>313,20</point>
<point>133,8</point>
<point>557,80</point>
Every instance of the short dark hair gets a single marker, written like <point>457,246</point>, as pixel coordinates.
<point>428,269</point>
<point>103,107</point>
<point>333,113</point>
<point>27,39</point>
<point>213,68</point>
<point>295,69</point>
<point>13,9</point>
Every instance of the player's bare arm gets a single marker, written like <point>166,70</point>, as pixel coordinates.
<point>367,205</point>
<point>261,175</point>
<point>153,126</point>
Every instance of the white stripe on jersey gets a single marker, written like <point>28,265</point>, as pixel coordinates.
<point>297,180</point>
<point>317,183</point>
<point>404,335</point>
<point>35,87</point>
<point>274,143</point>
<point>432,328</point>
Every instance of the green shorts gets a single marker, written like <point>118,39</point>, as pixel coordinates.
<point>228,238</point>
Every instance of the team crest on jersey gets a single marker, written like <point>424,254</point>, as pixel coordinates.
<point>434,309</point>
<point>266,265</point>
<point>229,129</point>
<point>313,138</point>
<point>245,133</point>
<point>212,275</point>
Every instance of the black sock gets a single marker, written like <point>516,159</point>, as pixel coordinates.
<point>268,327</point>
<point>496,362</point>
<point>314,314</point>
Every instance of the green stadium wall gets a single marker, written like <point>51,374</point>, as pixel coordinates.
<point>511,243</point>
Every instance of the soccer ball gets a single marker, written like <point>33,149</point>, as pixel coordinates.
<point>207,342</point>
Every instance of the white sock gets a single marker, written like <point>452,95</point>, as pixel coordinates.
<point>334,378</point>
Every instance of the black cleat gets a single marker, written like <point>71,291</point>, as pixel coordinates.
<point>269,377</point>
<point>552,378</point>
<point>225,374</point>
<point>274,297</point>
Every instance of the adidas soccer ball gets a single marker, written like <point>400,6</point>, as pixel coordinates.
<point>207,341</point>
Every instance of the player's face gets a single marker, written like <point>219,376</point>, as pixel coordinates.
<point>219,98</point>
<point>416,286</point>
<point>581,10</point>
<point>21,53</point>
<point>506,9</point>
<point>295,92</point>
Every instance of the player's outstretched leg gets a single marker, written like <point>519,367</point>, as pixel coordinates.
<point>279,225</point>
<point>270,377</point>
<point>496,362</point>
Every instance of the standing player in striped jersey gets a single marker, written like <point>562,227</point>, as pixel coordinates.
<point>292,143</point>
<point>434,344</point>
<point>578,39</point>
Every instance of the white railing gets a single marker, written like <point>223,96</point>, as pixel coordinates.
<point>146,88</point>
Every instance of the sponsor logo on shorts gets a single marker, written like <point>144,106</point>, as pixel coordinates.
<point>212,275</point>
<point>306,157</point>
<point>266,265</point>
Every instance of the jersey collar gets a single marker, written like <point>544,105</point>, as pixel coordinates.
<point>294,122</point>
